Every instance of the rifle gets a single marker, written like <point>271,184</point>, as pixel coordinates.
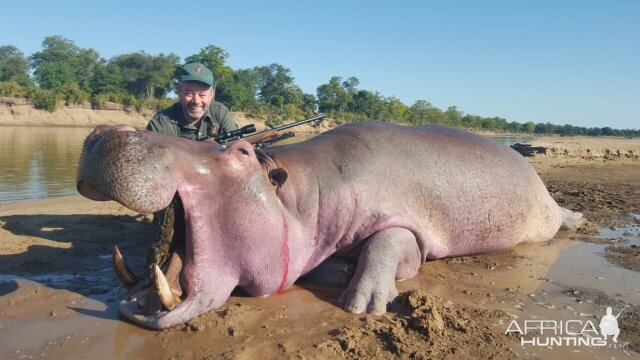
<point>263,138</point>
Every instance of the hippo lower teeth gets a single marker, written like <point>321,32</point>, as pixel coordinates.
<point>167,297</point>
<point>167,287</point>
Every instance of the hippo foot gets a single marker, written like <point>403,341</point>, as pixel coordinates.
<point>373,300</point>
<point>387,255</point>
<point>571,220</point>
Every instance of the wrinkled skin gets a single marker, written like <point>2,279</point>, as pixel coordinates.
<point>388,196</point>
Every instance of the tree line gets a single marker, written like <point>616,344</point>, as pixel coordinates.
<point>64,73</point>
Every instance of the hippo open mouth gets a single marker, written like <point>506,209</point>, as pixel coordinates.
<point>161,289</point>
<point>164,286</point>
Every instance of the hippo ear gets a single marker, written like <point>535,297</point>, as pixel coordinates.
<point>278,176</point>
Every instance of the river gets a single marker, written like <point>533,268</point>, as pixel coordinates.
<point>41,162</point>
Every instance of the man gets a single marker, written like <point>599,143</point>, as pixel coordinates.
<point>196,116</point>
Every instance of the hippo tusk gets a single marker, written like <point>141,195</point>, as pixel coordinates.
<point>123,272</point>
<point>168,299</point>
<point>173,273</point>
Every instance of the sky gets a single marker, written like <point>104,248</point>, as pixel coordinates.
<point>563,62</point>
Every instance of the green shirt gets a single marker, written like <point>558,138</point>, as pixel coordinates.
<point>171,121</point>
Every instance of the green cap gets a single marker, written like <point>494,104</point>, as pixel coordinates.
<point>196,72</point>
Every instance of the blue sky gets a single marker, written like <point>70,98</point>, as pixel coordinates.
<point>575,62</point>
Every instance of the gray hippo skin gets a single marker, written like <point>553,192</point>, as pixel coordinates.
<point>390,197</point>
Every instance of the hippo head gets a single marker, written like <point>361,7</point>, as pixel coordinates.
<point>235,225</point>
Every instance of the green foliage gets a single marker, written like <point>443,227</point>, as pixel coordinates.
<point>292,112</point>
<point>308,105</point>
<point>332,97</point>
<point>62,62</point>
<point>11,88</point>
<point>65,72</point>
<point>45,100</point>
<point>14,67</point>
<point>122,98</point>
<point>164,103</point>
<point>72,94</point>
<point>107,78</point>
<point>274,80</point>
<point>147,76</point>
<point>274,121</point>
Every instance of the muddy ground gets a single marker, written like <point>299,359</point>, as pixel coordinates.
<point>59,294</point>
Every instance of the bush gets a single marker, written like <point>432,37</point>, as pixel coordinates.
<point>100,99</point>
<point>292,112</point>
<point>45,100</point>
<point>162,104</point>
<point>273,121</point>
<point>114,97</point>
<point>12,89</point>
<point>128,100</point>
<point>72,94</point>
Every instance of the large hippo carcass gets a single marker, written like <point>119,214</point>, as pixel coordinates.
<point>389,196</point>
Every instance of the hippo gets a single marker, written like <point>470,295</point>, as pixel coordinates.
<point>387,196</point>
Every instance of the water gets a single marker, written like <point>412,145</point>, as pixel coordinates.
<point>41,162</point>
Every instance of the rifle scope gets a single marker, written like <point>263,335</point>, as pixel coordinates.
<point>235,134</point>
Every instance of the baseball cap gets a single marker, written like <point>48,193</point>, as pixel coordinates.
<point>196,72</point>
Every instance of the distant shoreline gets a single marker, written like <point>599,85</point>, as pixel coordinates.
<point>24,114</point>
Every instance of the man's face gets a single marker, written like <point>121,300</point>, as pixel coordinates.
<point>195,98</point>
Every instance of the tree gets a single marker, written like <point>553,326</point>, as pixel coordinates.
<point>147,76</point>
<point>61,62</point>
<point>332,97</point>
<point>529,127</point>
<point>242,94</point>
<point>369,104</point>
<point>309,104</point>
<point>453,116</point>
<point>273,80</point>
<point>419,111</point>
<point>14,66</point>
<point>350,85</point>
<point>396,110</point>
<point>106,79</point>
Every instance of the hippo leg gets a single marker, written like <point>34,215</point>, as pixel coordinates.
<point>571,220</point>
<point>387,255</point>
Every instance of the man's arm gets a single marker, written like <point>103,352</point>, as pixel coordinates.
<point>153,125</point>
<point>225,119</point>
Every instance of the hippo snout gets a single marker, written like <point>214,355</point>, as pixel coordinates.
<point>129,166</point>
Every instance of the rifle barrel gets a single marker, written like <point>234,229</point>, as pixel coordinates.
<point>296,123</point>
